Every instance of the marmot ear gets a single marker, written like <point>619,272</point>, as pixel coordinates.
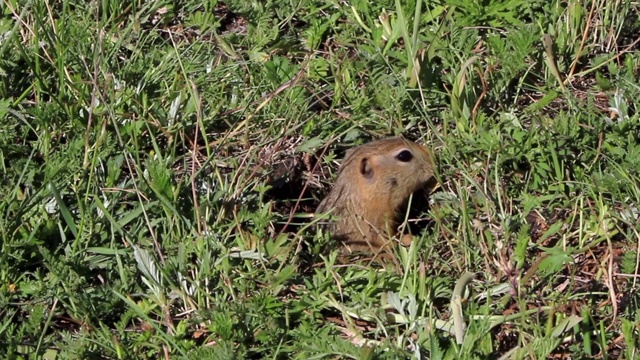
<point>365,168</point>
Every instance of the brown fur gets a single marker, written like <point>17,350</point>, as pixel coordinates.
<point>372,190</point>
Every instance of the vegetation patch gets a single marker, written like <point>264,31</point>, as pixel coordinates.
<point>160,163</point>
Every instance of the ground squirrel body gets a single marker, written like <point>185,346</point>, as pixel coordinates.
<point>374,183</point>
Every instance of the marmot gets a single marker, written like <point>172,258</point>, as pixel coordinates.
<point>373,186</point>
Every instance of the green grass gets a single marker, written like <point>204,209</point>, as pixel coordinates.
<point>159,161</point>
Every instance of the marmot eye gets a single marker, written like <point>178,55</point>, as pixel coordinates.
<point>404,156</point>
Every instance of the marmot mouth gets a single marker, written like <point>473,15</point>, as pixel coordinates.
<point>431,185</point>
